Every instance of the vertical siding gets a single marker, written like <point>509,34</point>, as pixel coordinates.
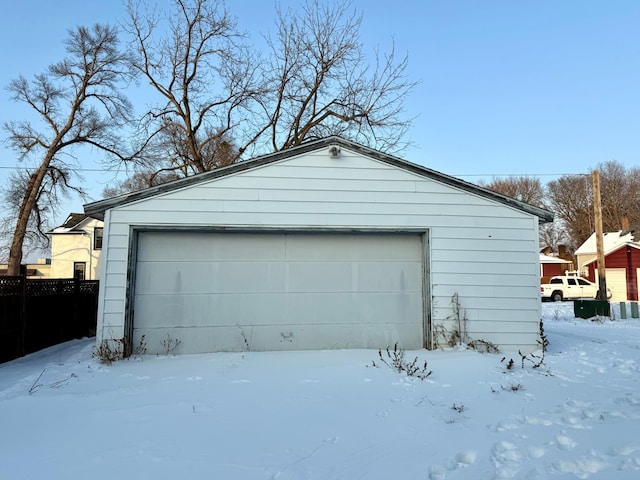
<point>484,251</point>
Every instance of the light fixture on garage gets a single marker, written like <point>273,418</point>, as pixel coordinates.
<point>334,151</point>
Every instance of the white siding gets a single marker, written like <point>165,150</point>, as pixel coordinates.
<point>78,246</point>
<point>482,249</point>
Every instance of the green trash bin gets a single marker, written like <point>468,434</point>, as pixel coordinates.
<point>591,308</point>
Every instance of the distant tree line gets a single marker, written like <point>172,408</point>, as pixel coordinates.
<point>216,99</point>
<point>570,197</point>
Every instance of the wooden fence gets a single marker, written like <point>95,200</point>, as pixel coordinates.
<point>35,314</point>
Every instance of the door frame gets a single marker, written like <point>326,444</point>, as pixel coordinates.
<point>135,230</point>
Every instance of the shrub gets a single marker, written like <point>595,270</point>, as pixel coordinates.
<point>395,359</point>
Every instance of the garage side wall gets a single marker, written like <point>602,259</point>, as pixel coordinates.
<point>481,252</point>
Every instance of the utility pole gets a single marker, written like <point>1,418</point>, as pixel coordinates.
<point>597,207</point>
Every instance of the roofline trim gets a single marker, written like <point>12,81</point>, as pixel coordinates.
<point>97,209</point>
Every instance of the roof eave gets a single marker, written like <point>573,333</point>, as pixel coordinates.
<point>97,209</point>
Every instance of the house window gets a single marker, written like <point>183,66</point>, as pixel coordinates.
<point>97,238</point>
<point>79,269</point>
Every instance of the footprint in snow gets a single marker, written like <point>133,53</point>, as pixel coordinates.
<point>565,443</point>
<point>461,460</point>
<point>581,467</point>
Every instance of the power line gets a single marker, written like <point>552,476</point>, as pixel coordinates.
<point>104,170</point>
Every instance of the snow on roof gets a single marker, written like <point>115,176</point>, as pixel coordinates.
<point>612,241</point>
<point>549,259</point>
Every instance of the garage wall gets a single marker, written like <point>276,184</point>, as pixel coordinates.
<point>483,250</point>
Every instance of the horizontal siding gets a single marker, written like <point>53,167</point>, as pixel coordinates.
<point>329,206</point>
<point>485,251</point>
<point>481,327</point>
<point>483,246</point>
<point>479,268</point>
<point>460,227</point>
<point>482,291</point>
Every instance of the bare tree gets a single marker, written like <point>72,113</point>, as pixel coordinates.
<point>78,101</point>
<point>525,189</point>
<point>553,235</point>
<point>323,83</point>
<point>571,197</point>
<point>138,181</point>
<point>530,190</point>
<point>206,78</point>
<point>219,98</point>
<point>55,184</point>
<point>620,194</point>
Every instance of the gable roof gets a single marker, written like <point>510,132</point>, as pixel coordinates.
<point>97,209</point>
<point>72,222</point>
<point>549,259</point>
<point>612,241</point>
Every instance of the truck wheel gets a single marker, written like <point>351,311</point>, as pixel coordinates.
<point>556,296</point>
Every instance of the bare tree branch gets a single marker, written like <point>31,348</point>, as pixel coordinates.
<point>78,100</point>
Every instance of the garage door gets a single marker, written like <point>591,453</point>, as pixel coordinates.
<point>277,291</point>
<point>617,283</point>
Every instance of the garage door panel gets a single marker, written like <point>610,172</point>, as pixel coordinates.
<point>268,309</point>
<point>319,276</point>
<point>347,247</point>
<point>354,277</point>
<point>348,291</point>
<point>207,310</point>
<point>255,277</point>
<point>205,247</point>
<point>390,276</point>
<point>371,308</point>
<point>284,337</point>
<point>198,277</point>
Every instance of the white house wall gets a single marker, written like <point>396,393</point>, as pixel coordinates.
<point>484,251</point>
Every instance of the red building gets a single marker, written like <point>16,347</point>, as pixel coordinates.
<point>552,266</point>
<point>622,264</point>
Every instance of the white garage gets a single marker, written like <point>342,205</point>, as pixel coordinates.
<point>326,245</point>
<point>271,291</point>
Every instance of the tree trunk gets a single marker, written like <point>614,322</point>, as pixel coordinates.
<point>26,207</point>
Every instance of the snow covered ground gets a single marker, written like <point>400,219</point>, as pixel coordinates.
<point>328,415</point>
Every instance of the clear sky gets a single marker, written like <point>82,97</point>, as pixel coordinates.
<point>544,88</point>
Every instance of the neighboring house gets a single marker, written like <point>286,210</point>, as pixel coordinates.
<point>40,269</point>
<point>622,263</point>
<point>551,266</point>
<point>76,246</point>
<point>328,245</point>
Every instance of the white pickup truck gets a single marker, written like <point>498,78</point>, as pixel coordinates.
<point>567,288</point>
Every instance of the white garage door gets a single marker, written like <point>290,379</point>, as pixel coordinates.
<point>617,283</point>
<point>277,291</point>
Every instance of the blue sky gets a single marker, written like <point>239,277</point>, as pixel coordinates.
<point>543,88</point>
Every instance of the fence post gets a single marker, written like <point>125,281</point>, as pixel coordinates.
<point>76,306</point>
<point>23,311</point>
